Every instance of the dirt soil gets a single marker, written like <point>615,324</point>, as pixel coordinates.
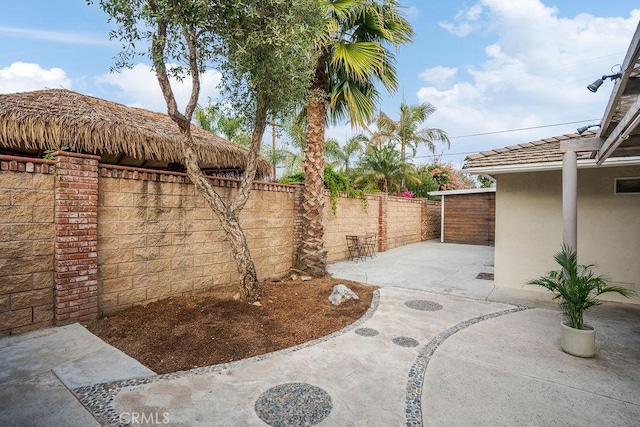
<point>206,329</point>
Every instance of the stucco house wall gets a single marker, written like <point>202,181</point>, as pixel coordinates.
<point>529,226</point>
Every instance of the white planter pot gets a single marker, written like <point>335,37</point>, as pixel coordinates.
<point>578,342</point>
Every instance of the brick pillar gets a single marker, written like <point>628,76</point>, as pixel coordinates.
<point>423,219</point>
<point>383,199</point>
<point>76,243</point>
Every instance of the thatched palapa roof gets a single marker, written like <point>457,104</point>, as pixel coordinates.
<point>54,118</point>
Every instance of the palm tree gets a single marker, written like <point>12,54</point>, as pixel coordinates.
<point>353,55</point>
<point>384,167</point>
<point>406,132</point>
<point>215,119</point>
<point>340,157</point>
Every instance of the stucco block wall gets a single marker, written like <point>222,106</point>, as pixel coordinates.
<point>404,221</point>
<point>352,217</point>
<point>79,239</point>
<point>529,226</point>
<point>160,239</point>
<point>26,246</point>
<point>431,220</point>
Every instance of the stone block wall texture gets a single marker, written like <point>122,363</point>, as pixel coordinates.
<point>431,218</point>
<point>404,221</point>
<point>79,239</point>
<point>352,217</point>
<point>26,244</point>
<point>159,238</point>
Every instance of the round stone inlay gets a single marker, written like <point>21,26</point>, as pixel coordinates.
<point>293,404</point>
<point>423,305</point>
<point>366,332</point>
<point>405,342</point>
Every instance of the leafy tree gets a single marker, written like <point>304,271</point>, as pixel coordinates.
<point>354,53</point>
<point>334,181</point>
<point>426,183</point>
<point>262,49</point>
<point>384,167</point>
<point>485,182</point>
<point>448,178</point>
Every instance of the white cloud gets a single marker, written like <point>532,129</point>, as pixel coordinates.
<point>55,36</point>
<point>466,21</point>
<point>534,74</point>
<point>23,77</point>
<point>139,88</point>
<point>342,132</point>
<point>412,12</point>
<point>439,75</point>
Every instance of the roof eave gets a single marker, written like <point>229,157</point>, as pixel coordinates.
<point>550,166</point>
<point>631,119</point>
<point>463,191</point>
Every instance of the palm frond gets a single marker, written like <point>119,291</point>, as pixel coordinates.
<point>358,60</point>
<point>576,286</point>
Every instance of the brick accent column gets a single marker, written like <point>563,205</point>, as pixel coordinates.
<point>423,220</point>
<point>76,242</point>
<point>383,199</point>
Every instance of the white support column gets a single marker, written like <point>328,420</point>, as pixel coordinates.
<point>570,200</point>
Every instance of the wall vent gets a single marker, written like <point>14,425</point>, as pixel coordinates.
<point>627,186</point>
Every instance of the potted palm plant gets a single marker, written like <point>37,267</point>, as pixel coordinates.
<point>576,287</point>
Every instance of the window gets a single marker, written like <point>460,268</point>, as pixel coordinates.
<point>627,186</point>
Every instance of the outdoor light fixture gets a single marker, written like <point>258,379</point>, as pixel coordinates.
<point>593,87</point>
<point>583,129</point>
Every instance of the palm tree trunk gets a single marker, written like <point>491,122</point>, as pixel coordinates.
<point>312,256</point>
<point>404,156</point>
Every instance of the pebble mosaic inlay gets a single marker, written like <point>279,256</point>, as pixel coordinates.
<point>405,342</point>
<point>366,332</point>
<point>98,398</point>
<point>423,305</point>
<point>413,409</point>
<point>293,404</point>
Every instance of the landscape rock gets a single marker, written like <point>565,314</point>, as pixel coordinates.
<point>237,296</point>
<point>341,293</point>
<point>257,304</point>
<point>305,278</point>
<point>294,277</point>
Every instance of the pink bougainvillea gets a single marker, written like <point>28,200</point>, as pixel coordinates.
<point>406,193</point>
<point>447,177</point>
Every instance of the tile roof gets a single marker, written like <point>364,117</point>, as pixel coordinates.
<point>542,151</point>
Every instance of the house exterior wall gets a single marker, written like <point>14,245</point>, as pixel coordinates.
<point>529,226</point>
<point>469,219</point>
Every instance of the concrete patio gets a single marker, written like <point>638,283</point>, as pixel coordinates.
<point>438,347</point>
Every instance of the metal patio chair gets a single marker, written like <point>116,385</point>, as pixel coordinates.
<point>356,250</point>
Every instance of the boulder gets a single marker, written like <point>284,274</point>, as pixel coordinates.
<point>341,294</point>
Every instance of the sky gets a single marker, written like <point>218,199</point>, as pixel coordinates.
<point>487,66</point>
